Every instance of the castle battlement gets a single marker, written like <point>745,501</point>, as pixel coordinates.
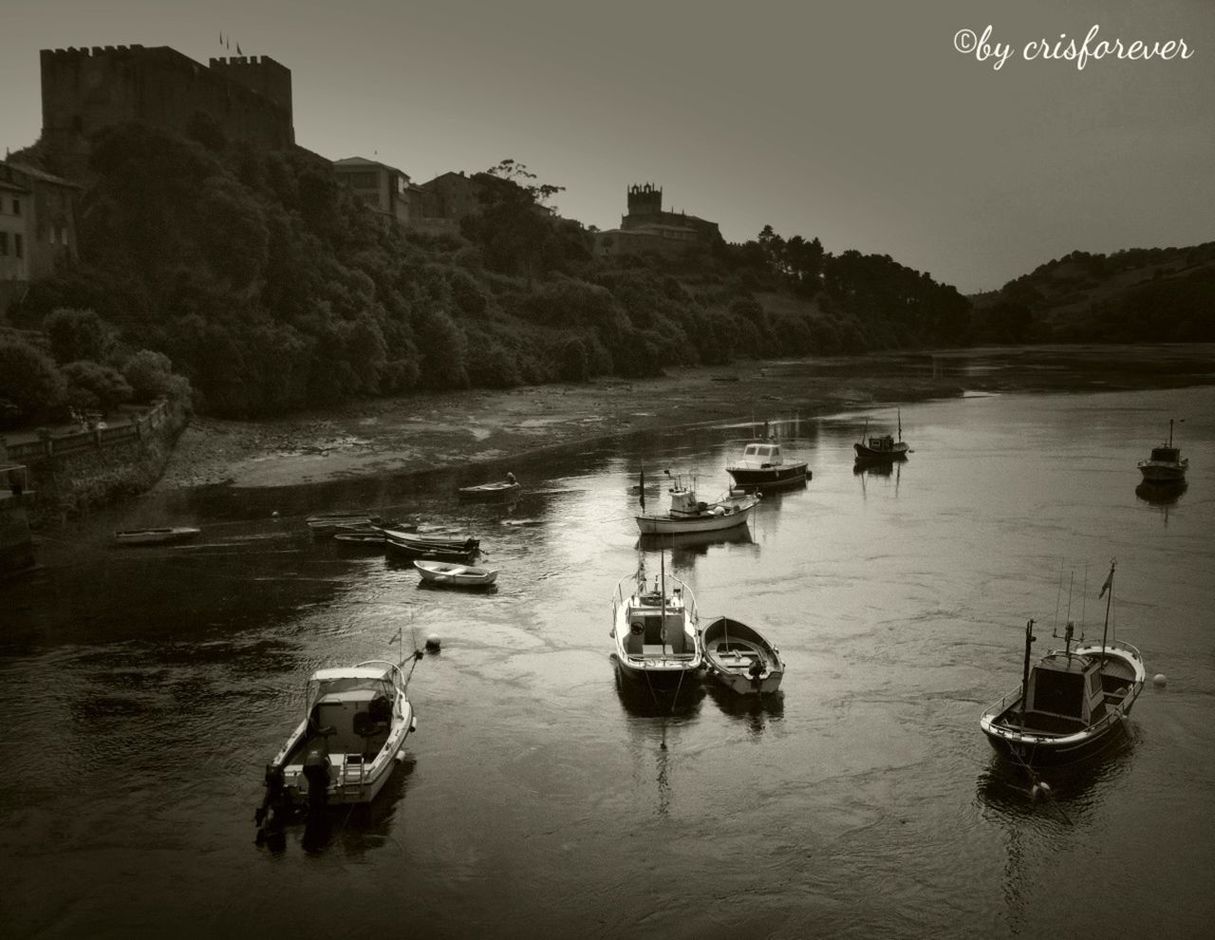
<point>89,88</point>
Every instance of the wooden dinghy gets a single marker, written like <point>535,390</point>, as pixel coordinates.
<point>501,489</point>
<point>741,658</point>
<point>447,574</point>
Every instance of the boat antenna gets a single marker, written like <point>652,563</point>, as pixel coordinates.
<point>1058,598</point>
<point>900,414</point>
<point>1107,587</point>
<point>865,429</point>
<point>1070,582</point>
<point>1170,432</point>
<point>1084,601</point>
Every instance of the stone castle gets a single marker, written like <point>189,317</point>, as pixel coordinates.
<point>648,229</point>
<point>83,90</point>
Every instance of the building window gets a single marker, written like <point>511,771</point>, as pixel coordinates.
<point>16,207</point>
<point>17,246</point>
<point>3,244</point>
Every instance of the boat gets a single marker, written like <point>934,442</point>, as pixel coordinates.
<point>161,536</point>
<point>457,548</point>
<point>1072,703</point>
<point>741,658</point>
<point>883,446</point>
<point>453,575</point>
<point>762,468</point>
<point>1165,465</point>
<point>356,719</point>
<point>655,630</point>
<point>688,514</point>
<point>325,525</point>
<point>364,539</point>
<point>501,489</point>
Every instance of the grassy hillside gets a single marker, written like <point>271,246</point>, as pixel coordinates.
<point>1138,295</point>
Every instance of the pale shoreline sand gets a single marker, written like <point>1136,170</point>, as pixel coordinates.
<point>380,437</point>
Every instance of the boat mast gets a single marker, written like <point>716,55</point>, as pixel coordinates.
<point>900,414</point>
<point>1170,432</point>
<point>1109,586</point>
<point>662,593</point>
<point>1029,639</point>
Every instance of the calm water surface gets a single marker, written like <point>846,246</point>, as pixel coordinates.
<point>143,690</point>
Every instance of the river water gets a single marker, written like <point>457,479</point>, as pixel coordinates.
<point>143,690</point>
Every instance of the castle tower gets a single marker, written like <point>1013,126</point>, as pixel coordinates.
<point>645,200</point>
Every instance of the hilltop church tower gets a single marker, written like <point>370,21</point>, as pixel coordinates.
<point>645,200</point>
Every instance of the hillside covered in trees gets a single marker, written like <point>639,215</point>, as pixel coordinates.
<point>1138,295</point>
<point>270,288</point>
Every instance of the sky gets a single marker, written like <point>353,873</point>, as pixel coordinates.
<point>869,124</point>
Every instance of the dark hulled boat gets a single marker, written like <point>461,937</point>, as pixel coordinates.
<point>1072,703</point>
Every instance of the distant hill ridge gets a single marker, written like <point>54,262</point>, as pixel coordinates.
<point>1140,294</point>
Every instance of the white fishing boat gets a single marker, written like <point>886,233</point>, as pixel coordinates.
<point>762,467</point>
<point>1165,465</point>
<point>741,658</point>
<point>688,514</point>
<point>1071,703</point>
<point>356,719</point>
<point>655,630</point>
<point>446,574</point>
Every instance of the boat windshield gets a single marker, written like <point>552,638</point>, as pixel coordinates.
<point>1059,693</point>
<point>1165,454</point>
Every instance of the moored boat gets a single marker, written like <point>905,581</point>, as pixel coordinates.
<point>160,536</point>
<point>1165,465</point>
<point>1072,703</point>
<point>500,489</point>
<point>688,514</point>
<point>459,548</point>
<point>762,467</point>
<point>881,447</point>
<point>447,574</point>
<point>356,719</point>
<point>657,641</point>
<point>741,658</point>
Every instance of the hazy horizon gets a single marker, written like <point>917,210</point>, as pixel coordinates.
<point>857,123</point>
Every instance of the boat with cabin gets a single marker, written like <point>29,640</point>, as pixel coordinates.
<point>741,658</point>
<point>356,720</point>
<point>1072,703</point>
<point>762,467</point>
<point>881,447</point>
<point>1165,465</point>
<point>688,514</point>
<point>655,629</point>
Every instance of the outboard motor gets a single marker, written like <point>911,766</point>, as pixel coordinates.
<point>316,772</point>
<point>269,816</point>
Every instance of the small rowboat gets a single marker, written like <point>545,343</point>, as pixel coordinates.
<point>741,658</point>
<point>452,575</point>
<point>162,536</point>
<point>485,491</point>
<point>361,539</point>
<point>441,548</point>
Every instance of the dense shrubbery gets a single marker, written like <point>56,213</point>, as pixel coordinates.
<point>271,288</point>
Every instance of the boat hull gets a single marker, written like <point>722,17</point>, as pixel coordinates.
<point>155,536</point>
<point>769,478</point>
<point>1162,473</point>
<point>679,524</point>
<point>1037,748</point>
<point>487,492</point>
<point>897,452</point>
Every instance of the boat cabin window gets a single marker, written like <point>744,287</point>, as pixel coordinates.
<point>1165,454</point>
<point>1059,693</point>
<point>1094,682</point>
<point>751,451</point>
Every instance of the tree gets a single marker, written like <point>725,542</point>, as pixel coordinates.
<point>149,373</point>
<point>29,378</point>
<point>78,334</point>
<point>95,386</point>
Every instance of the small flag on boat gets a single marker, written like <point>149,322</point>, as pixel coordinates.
<point>395,638</point>
<point>641,486</point>
<point>1108,581</point>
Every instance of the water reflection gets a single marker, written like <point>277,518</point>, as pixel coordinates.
<point>686,547</point>
<point>1161,494</point>
<point>677,704</point>
<point>755,711</point>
